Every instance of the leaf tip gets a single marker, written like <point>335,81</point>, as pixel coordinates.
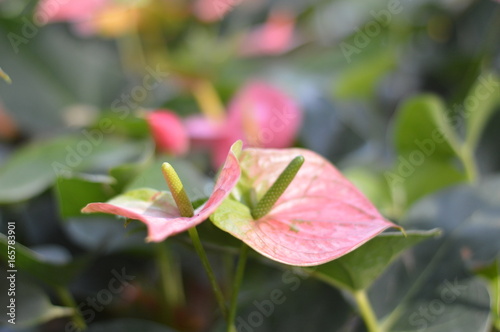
<point>237,147</point>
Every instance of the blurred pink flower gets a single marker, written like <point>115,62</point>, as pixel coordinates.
<point>260,115</point>
<point>274,37</point>
<point>168,132</point>
<point>213,10</point>
<point>107,17</point>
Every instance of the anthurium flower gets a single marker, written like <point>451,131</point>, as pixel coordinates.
<point>274,37</point>
<point>159,210</point>
<point>168,132</point>
<point>319,217</point>
<point>260,115</point>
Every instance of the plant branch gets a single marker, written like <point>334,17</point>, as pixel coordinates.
<point>193,233</point>
<point>240,271</point>
<point>366,311</point>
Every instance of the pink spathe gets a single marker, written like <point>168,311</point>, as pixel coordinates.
<point>321,216</point>
<point>274,37</point>
<point>213,10</point>
<point>158,209</point>
<point>260,115</point>
<point>70,10</point>
<point>168,132</point>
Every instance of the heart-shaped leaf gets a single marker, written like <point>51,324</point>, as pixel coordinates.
<point>431,288</point>
<point>358,269</point>
<point>320,217</point>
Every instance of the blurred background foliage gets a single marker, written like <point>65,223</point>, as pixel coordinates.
<point>400,95</point>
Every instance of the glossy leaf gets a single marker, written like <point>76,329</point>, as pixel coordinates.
<point>33,168</point>
<point>320,217</point>
<point>359,80</point>
<point>33,306</point>
<point>78,191</point>
<point>436,275</point>
<point>427,147</point>
<point>29,171</point>
<point>358,269</point>
<point>100,233</point>
<point>482,100</point>
<point>40,267</point>
<point>492,274</point>
<point>422,122</point>
<point>158,209</point>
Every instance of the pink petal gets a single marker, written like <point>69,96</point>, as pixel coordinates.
<point>69,10</point>
<point>320,217</point>
<point>213,10</point>
<point>273,38</point>
<point>168,132</point>
<point>204,131</point>
<point>158,210</point>
<point>263,116</point>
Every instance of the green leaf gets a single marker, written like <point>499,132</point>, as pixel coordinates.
<point>492,274</point>
<point>29,171</point>
<point>106,234</point>
<point>427,147</point>
<point>421,124</point>
<point>75,192</point>
<point>480,103</point>
<point>33,306</point>
<point>35,167</point>
<point>360,79</point>
<point>38,266</point>
<point>420,180</point>
<point>434,277</point>
<point>358,269</point>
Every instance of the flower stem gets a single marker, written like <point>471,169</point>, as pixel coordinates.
<point>366,311</point>
<point>240,270</point>
<point>467,156</point>
<point>208,100</point>
<point>277,189</point>
<point>170,277</point>
<point>68,300</point>
<point>195,238</point>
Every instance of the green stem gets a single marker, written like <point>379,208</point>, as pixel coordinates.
<point>366,311</point>
<point>467,156</point>
<point>170,277</point>
<point>68,301</point>
<point>240,271</point>
<point>193,233</point>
